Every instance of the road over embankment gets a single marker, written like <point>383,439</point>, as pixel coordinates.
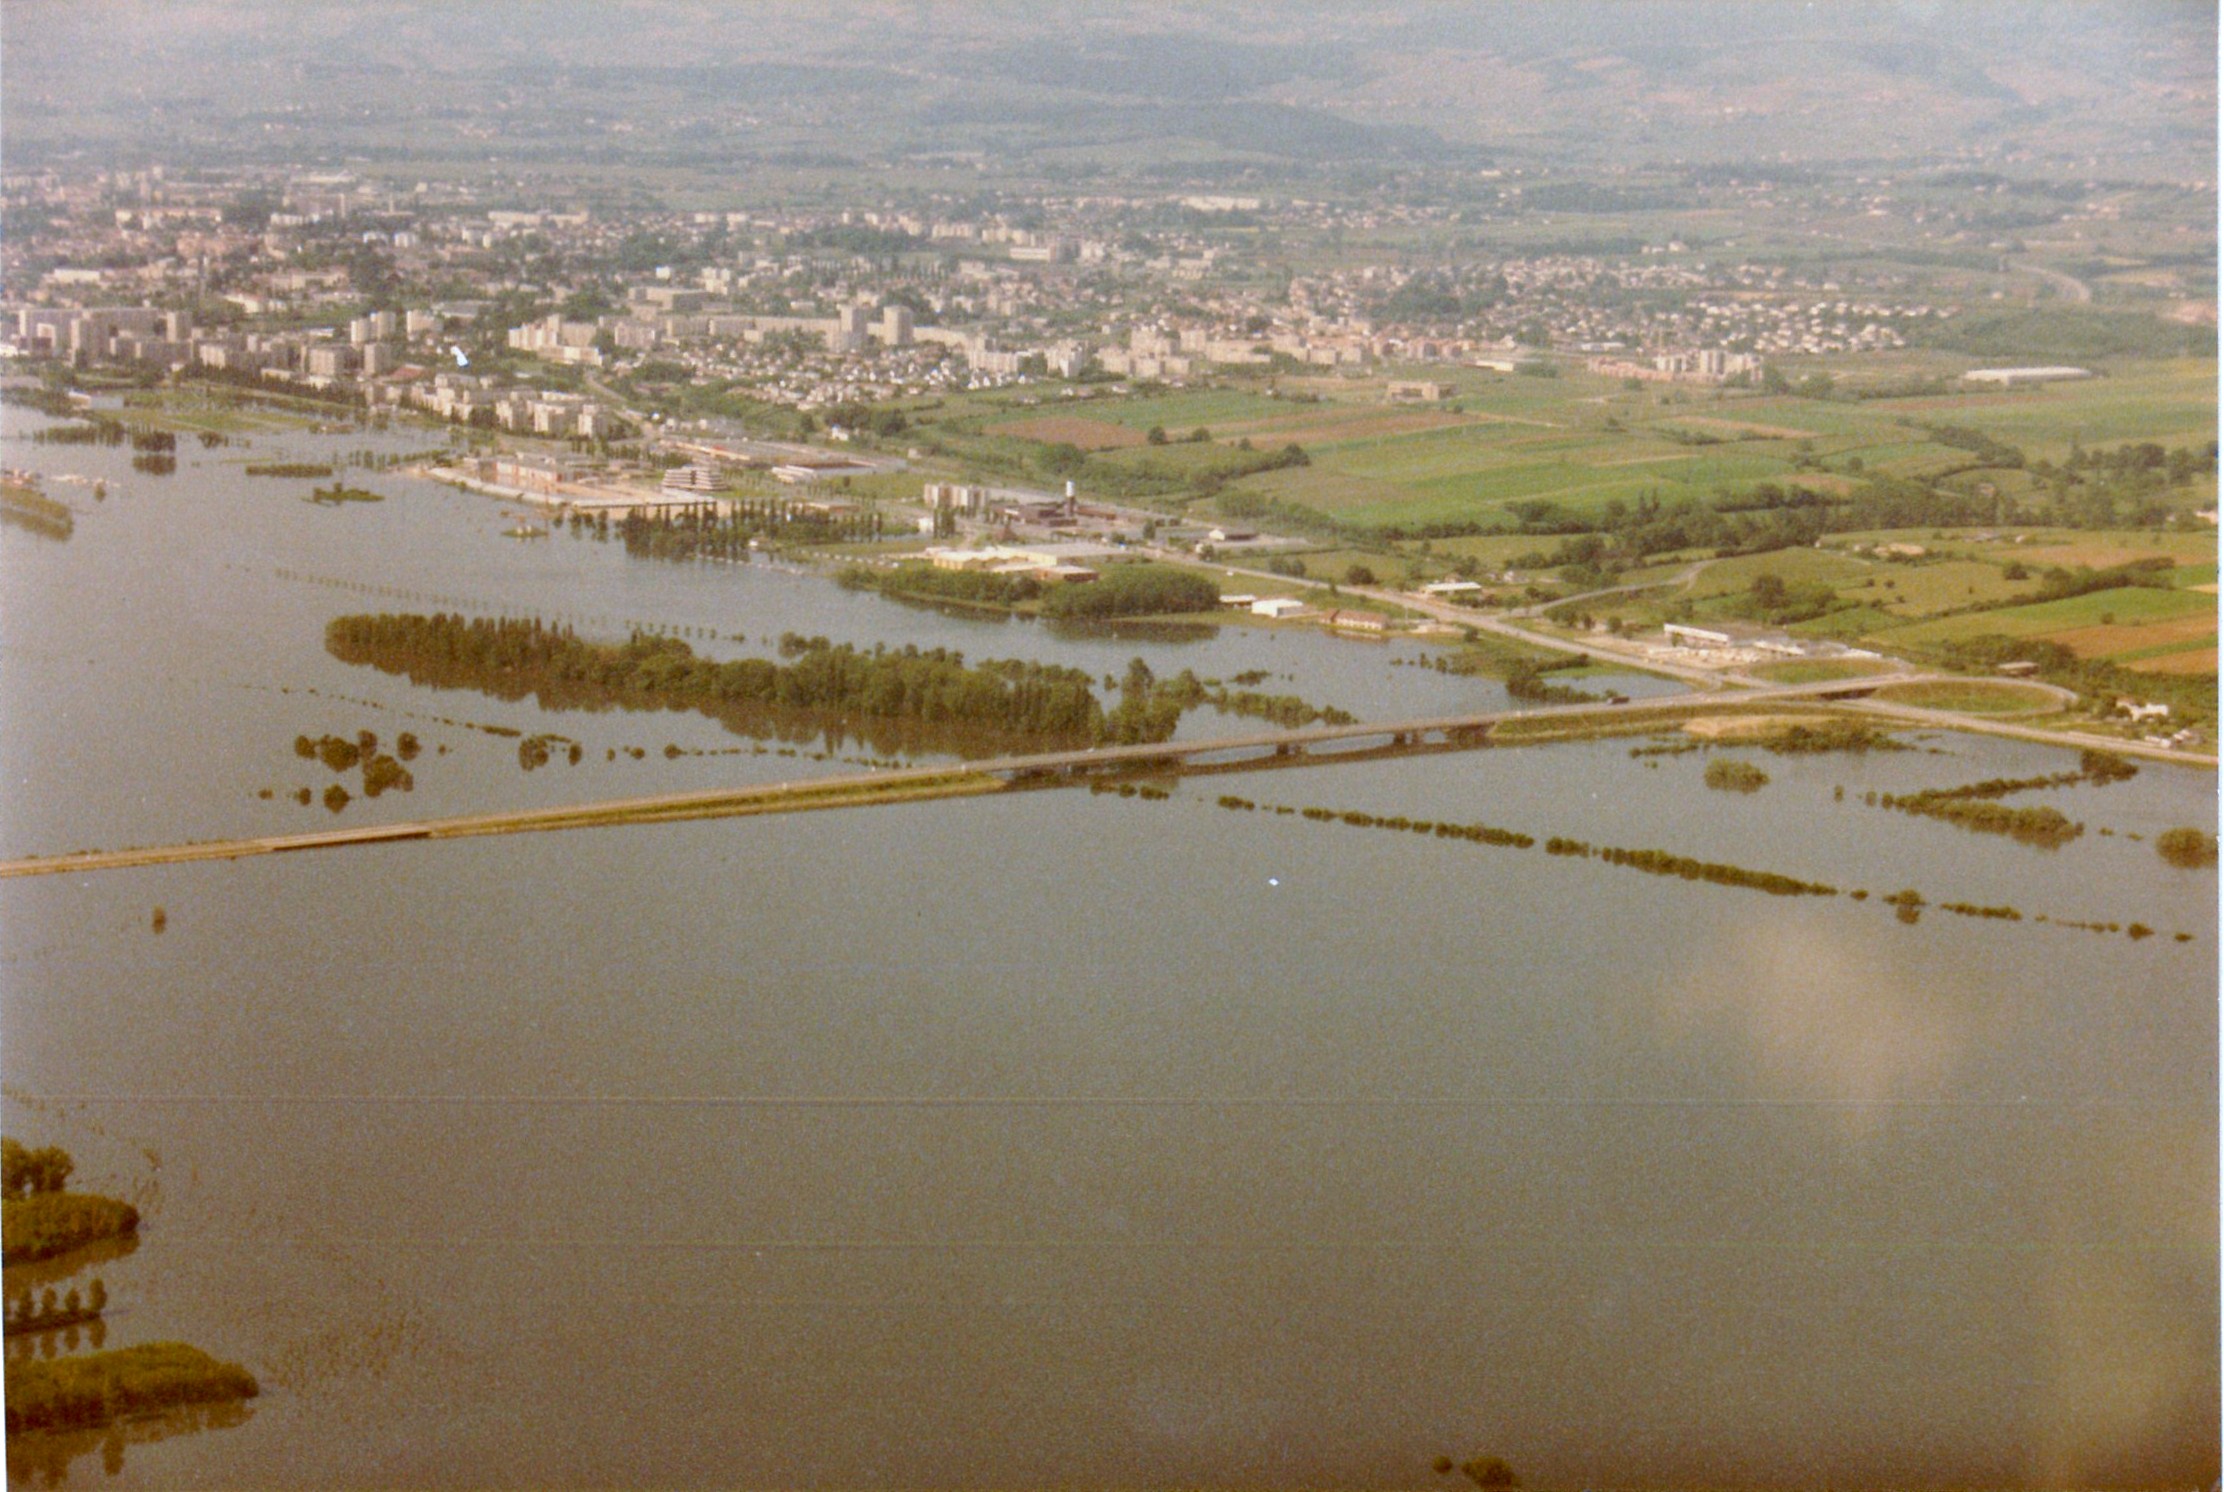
<point>1049,768</point>
<point>2068,285</point>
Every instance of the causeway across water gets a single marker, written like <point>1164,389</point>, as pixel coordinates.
<point>911,784</point>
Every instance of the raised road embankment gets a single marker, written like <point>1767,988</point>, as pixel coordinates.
<point>1266,748</point>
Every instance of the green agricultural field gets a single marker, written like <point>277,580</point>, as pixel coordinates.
<point>1894,454</point>
<point>1930,588</point>
<point>1516,481</point>
<point>1792,566</point>
<point>1851,625</point>
<point>1477,497</point>
<point>2172,403</point>
<point>1820,670</point>
<point>2006,481</point>
<point>1493,551</point>
<point>2040,548</point>
<point>1331,564</point>
<point>1703,470</point>
<point>884,486</point>
<point>1438,480</point>
<point>1454,452</point>
<point>2183,649</point>
<point>1187,457</point>
<point>1181,411</point>
<point>2128,607</point>
<point>1318,488</point>
<point>1580,441</point>
<point>1326,426</point>
<point>1973,697</point>
<point>1823,421</point>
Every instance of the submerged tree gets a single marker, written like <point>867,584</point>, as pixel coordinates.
<point>1483,1471</point>
<point>25,1172</point>
<point>2187,848</point>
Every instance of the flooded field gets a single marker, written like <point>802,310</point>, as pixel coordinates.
<point>1063,1137</point>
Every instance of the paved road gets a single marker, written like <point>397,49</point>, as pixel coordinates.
<point>2076,289</point>
<point>1682,580</point>
<point>876,787</point>
<point>990,774</point>
<point>1606,649</point>
<point>1501,625</point>
<point>2084,740</point>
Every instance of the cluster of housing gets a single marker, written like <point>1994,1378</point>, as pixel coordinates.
<point>1708,365</point>
<point>813,309</point>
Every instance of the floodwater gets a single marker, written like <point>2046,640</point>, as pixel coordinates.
<point>1059,1137</point>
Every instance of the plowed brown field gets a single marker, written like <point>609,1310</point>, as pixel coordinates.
<point>2199,660</point>
<point>1074,430</point>
<point>2103,642</point>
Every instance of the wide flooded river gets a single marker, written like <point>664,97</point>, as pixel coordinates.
<point>1059,1138</point>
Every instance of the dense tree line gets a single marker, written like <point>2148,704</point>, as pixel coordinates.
<point>1134,590</point>
<point>2096,767</point>
<point>86,1392</point>
<point>2173,466</point>
<point>2000,914</point>
<point>1150,708</point>
<point>1987,450</point>
<point>926,583</point>
<point>46,399</point>
<point>1652,862</point>
<point>26,1172</point>
<point>2089,490</point>
<point>516,658</point>
<point>1661,863</point>
<point>2048,828</point>
<point>253,382</point>
<point>87,430</point>
<point>44,1313</point>
<point>707,531</point>
<point>1147,477</point>
<point>872,419</point>
<point>38,1219</point>
<point>2190,696</point>
<point>1826,736</point>
<point>1279,709</point>
<point>1398,823</point>
<point>2059,584</point>
<point>1525,680</point>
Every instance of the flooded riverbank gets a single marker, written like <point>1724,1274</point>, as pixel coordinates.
<point>1061,1136</point>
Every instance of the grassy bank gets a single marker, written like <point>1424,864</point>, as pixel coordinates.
<point>1973,697</point>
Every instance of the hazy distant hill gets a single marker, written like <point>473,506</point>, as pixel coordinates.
<point>2130,85</point>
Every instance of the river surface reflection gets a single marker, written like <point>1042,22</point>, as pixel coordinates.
<point>1060,1137</point>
